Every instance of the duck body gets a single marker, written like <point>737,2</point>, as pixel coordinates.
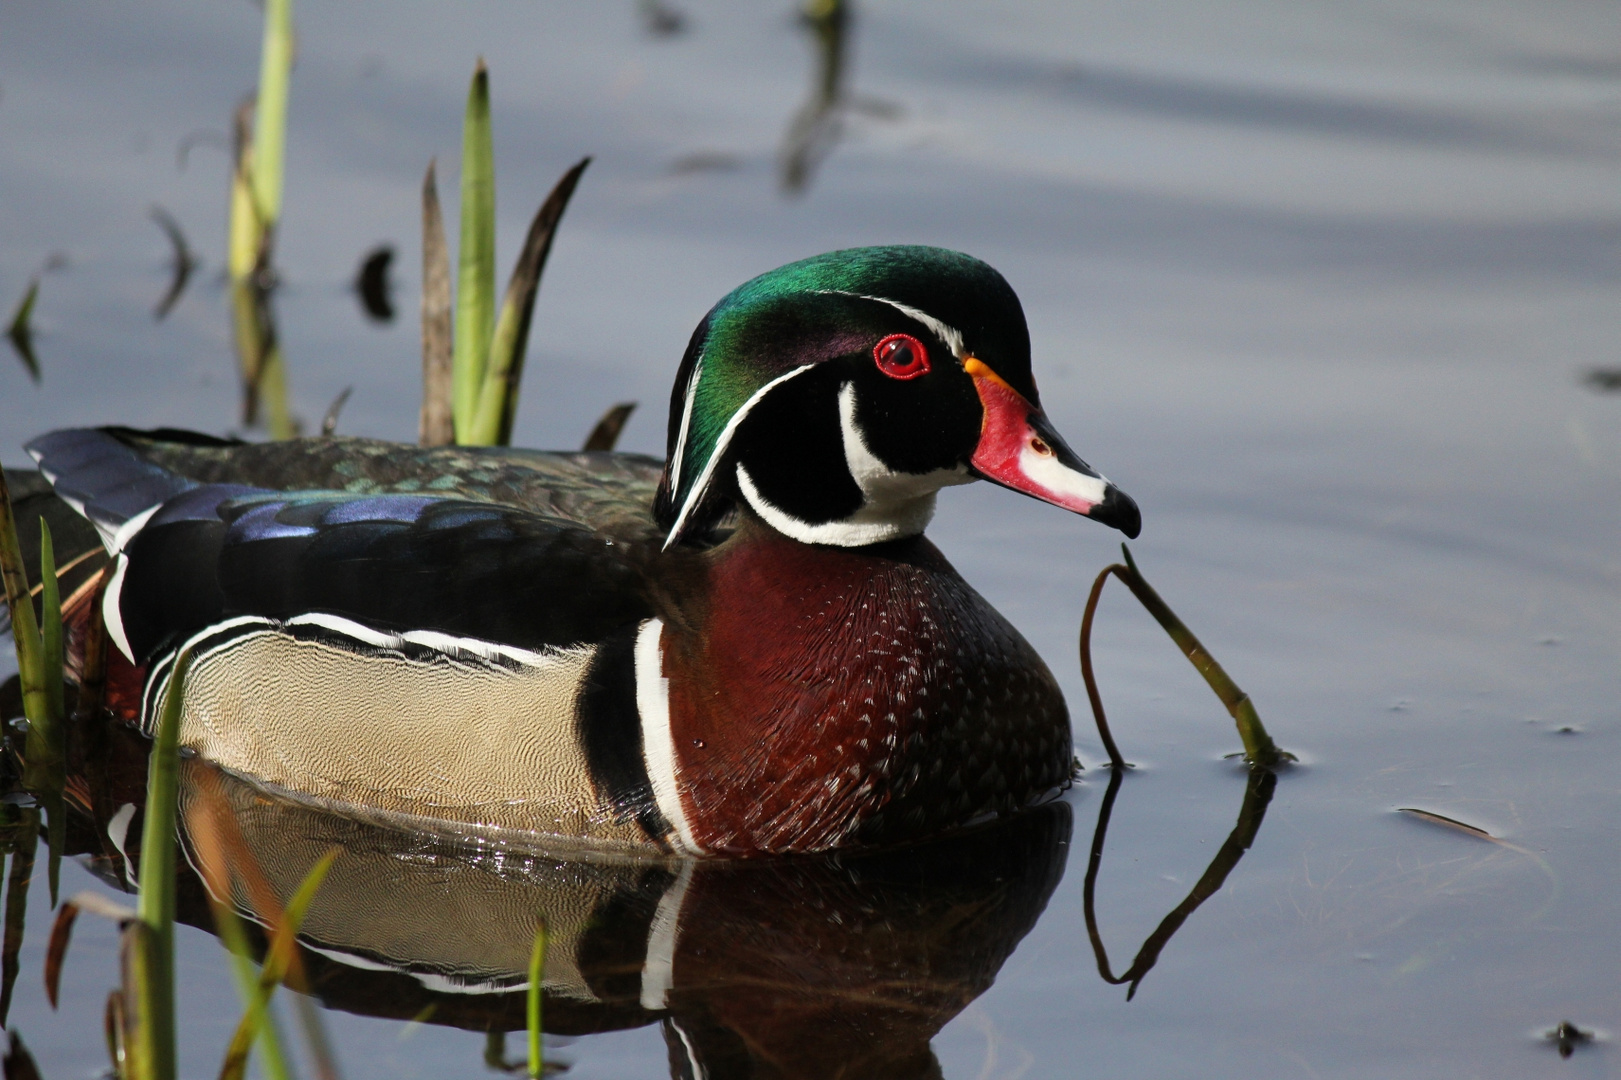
<point>747,648</point>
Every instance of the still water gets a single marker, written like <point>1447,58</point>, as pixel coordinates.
<point>1322,286</point>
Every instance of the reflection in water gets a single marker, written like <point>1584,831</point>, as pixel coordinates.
<point>264,375</point>
<point>253,280</point>
<point>1257,794</point>
<point>819,123</point>
<point>660,19</point>
<point>21,330</point>
<point>816,127</point>
<point>829,966</point>
<point>181,262</point>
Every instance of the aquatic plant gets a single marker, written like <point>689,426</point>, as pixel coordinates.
<point>20,332</point>
<point>1259,749</point>
<point>255,208</point>
<point>537,968</point>
<point>484,353</point>
<point>39,668</point>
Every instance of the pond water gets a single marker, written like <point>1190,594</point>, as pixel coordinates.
<point>1323,286</point>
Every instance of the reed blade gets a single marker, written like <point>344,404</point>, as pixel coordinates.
<point>25,634</point>
<point>56,953</point>
<point>605,436</point>
<point>498,397</point>
<point>537,969</point>
<point>277,958</point>
<point>475,281</point>
<point>17,880</point>
<point>437,427</point>
<point>200,824</point>
<point>154,947</point>
<point>245,229</point>
<point>270,119</point>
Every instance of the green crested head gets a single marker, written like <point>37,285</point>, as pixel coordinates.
<point>822,392</point>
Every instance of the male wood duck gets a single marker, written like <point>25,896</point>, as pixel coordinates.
<point>748,648</point>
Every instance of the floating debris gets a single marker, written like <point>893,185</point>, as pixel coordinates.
<point>701,161</point>
<point>181,264</point>
<point>329,422</point>
<point>1566,1037</point>
<point>373,286</point>
<point>1446,822</point>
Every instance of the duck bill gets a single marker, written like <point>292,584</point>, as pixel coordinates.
<point>1019,449</point>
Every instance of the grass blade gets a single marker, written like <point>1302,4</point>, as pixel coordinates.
<point>57,951</point>
<point>498,397</point>
<point>606,434</point>
<point>19,1063</point>
<point>200,823</point>
<point>47,759</point>
<point>154,941</point>
<point>277,958</point>
<point>245,236</point>
<point>537,968</point>
<point>270,114</point>
<point>475,281</point>
<point>21,873</point>
<point>437,427</point>
<point>24,628</point>
<point>50,626</point>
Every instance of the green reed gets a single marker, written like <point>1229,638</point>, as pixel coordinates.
<point>537,969</point>
<point>1259,749</point>
<point>485,353</point>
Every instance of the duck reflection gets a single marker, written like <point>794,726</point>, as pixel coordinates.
<point>786,967</point>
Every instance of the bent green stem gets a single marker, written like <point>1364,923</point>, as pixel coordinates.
<point>1259,749</point>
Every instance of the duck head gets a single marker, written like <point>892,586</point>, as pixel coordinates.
<point>835,396</point>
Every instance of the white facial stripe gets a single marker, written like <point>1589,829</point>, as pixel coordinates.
<point>948,334</point>
<point>859,529</point>
<point>1059,479</point>
<point>658,744</point>
<point>680,454</point>
<point>695,496</point>
<point>658,970</point>
<point>883,486</point>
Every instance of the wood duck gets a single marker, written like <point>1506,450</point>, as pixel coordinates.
<point>747,648</point>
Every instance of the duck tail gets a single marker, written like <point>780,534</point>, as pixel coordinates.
<point>104,479</point>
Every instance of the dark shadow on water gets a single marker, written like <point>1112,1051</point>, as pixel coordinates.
<point>1257,794</point>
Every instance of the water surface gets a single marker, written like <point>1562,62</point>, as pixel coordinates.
<point>1318,284</point>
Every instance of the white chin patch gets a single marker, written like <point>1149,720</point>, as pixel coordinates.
<point>896,504</point>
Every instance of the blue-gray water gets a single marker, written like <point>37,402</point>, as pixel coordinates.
<point>1317,283</point>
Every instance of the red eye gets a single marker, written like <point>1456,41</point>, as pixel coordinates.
<point>901,356</point>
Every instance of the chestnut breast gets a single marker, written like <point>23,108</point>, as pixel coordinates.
<point>821,696</point>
